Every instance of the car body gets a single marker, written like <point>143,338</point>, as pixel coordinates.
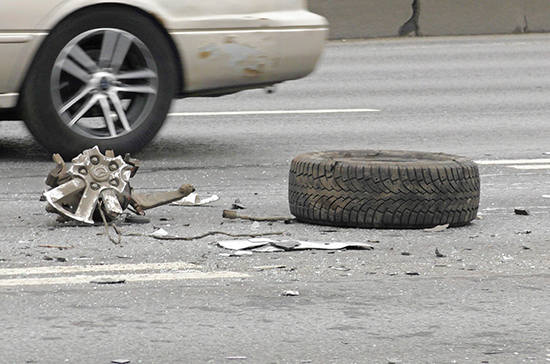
<point>80,61</point>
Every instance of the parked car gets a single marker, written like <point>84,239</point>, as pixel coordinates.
<point>97,72</point>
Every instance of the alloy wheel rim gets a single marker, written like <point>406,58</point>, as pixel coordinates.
<point>104,83</point>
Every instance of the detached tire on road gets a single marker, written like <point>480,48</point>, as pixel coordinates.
<point>383,189</point>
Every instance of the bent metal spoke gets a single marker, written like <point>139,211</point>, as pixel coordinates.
<point>86,83</point>
<point>86,206</point>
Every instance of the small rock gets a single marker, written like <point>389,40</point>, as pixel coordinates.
<point>439,254</point>
<point>412,273</point>
<point>120,361</point>
<point>406,253</point>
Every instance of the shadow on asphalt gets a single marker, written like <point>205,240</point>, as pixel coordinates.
<point>27,149</point>
<point>191,149</point>
<point>24,149</point>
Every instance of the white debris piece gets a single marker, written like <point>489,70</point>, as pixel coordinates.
<point>270,245</point>
<point>193,199</point>
<point>160,233</point>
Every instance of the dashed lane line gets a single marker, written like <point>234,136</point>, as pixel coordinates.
<point>538,166</point>
<point>513,161</point>
<point>97,268</point>
<point>114,272</point>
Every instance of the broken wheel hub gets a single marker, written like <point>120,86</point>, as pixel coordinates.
<point>96,182</point>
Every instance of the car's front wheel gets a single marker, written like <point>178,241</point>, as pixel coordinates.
<point>103,77</point>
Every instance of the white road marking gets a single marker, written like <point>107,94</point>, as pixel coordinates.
<point>128,278</point>
<point>535,166</point>
<point>273,112</point>
<point>97,268</point>
<point>120,272</point>
<point>513,161</point>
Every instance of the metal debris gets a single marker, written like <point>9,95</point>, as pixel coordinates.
<point>59,259</point>
<point>230,214</point>
<point>194,200</point>
<point>97,187</point>
<point>162,234</point>
<point>55,246</point>
<point>290,293</point>
<point>438,254</point>
<point>237,205</point>
<point>236,253</point>
<point>521,211</point>
<point>437,228</point>
<point>268,267</point>
<point>108,280</point>
<point>270,245</point>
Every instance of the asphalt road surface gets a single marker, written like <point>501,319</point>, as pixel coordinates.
<point>485,299</point>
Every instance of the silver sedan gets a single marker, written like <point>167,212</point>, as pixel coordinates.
<point>96,72</point>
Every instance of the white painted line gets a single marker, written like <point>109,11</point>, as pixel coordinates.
<point>532,166</point>
<point>97,268</point>
<point>80,279</point>
<point>513,161</point>
<point>272,112</point>
<point>125,272</point>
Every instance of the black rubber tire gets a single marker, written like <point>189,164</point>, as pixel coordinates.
<point>383,189</point>
<point>39,112</point>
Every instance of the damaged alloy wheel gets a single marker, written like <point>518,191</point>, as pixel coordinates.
<point>383,189</point>
<point>103,77</point>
